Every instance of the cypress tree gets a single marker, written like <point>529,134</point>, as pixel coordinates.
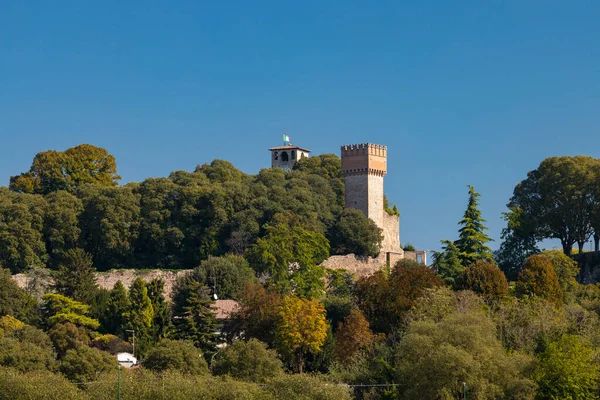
<point>472,238</point>
<point>139,315</point>
<point>161,326</point>
<point>118,303</point>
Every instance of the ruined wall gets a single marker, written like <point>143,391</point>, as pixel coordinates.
<point>391,232</point>
<point>360,266</point>
<point>107,280</point>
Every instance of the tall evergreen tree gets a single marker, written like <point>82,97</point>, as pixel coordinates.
<point>472,238</point>
<point>447,263</point>
<point>193,316</point>
<point>161,326</point>
<point>118,304</point>
<point>139,315</point>
<point>76,277</point>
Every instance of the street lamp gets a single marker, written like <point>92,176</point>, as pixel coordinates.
<point>133,345</point>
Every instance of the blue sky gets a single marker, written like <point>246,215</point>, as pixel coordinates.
<point>469,92</point>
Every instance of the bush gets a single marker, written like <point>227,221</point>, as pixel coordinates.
<point>84,363</point>
<point>67,336</point>
<point>111,344</point>
<point>486,279</point>
<point>176,355</point>
<point>36,385</point>
<point>23,356</point>
<point>537,278</point>
<point>304,387</point>
<point>249,361</point>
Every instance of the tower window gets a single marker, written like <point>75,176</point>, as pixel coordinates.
<point>293,155</point>
<point>275,155</point>
<point>284,156</point>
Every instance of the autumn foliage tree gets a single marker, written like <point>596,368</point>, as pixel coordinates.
<point>301,328</point>
<point>537,278</point>
<point>352,335</point>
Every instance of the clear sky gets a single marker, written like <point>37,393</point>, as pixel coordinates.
<point>461,92</point>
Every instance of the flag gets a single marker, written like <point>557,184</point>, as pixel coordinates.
<point>286,138</point>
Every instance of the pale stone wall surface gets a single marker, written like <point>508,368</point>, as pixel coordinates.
<point>360,266</point>
<point>391,233</point>
<point>356,192</point>
<point>375,195</point>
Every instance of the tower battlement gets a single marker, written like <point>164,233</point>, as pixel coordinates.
<point>364,159</point>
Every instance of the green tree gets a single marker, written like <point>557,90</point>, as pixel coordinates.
<point>437,355</point>
<point>139,315</point>
<point>14,300</point>
<point>249,361</point>
<point>176,355</point>
<point>161,325</point>
<point>61,224</point>
<point>84,363</point>
<point>568,370</point>
<point>112,319</point>
<point>58,309</point>
<point>24,356</point>
<point>518,243</point>
<point>556,200</point>
<point>447,263</point>
<point>67,336</point>
<point>21,223</point>
<point>226,275</point>
<point>194,317</point>
<point>355,233</point>
<point>52,170</point>
<point>301,328</point>
<point>566,269</point>
<point>537,278</point>
<point>486,279</point>
<point>16,385</point>
<point>76,277</point>
<point>305,386</point>
<point>472,237</point>
<point>291,255</point>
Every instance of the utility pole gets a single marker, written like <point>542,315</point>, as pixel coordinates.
<point>133,342</point>
<point>119,383</point>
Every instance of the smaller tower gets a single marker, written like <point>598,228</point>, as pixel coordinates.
<point>286,156</point>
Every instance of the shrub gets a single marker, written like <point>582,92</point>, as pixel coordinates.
<point>36,385</point>
<point>83,363</point>
<point>249,361</point>
<point>537,278</point>
<point>486,279</point>
<point>24,356</point>
<point>176,355</point>
<point>301,387</point>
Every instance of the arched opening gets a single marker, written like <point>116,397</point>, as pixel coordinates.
<point>275,155</point>
<point>293,155</point>
<point>284,156</point>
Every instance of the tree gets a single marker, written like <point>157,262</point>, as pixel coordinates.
<point>385,300</point>
<point>486,279</point>
<point>58,309</point>
<point>352,335</point>
<point>84,363</point>
<point>67,336</point>
<point>52,170</point>
<point>472,238</point>
<point>139,314</point>
<point>447,263</point>
<point>76,277</point>
<point>305,386</point>
<point>21,223</point>
<point>112,318</point>
<point>61,224</point>
<point>194,317</point>
<point>24,356</point>
<point>36,385</point>
<point>537,278</point>
<point>176,355</point>
<point>161,325</point>
<point>518,243</point>
<point>567,369</point>
<point>291,255</point>
<point>566,269</point>
<point>256,315</point>
<point>556,200</point>
<point>249,361</point>
<point>355,233</point>
<point>227,275</point>
<point>14,300</point>
<point>301,328</point>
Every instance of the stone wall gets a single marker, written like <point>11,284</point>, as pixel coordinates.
<point>356,193</point>
<point>360,266</point>
<point>375,199</point>
<point>107,280</point>
<point>391,233</point>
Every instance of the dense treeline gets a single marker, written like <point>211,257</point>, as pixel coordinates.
<point>71,200</point>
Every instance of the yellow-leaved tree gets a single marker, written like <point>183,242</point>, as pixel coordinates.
<point>302,328</point>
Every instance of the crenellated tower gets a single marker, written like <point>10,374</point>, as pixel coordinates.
<point>363,167</point>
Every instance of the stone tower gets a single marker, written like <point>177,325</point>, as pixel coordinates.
<point>286,156</point>
<point>364,166</point>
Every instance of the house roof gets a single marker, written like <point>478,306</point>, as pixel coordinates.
<point>289,147</point>
<point>224,308</point>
